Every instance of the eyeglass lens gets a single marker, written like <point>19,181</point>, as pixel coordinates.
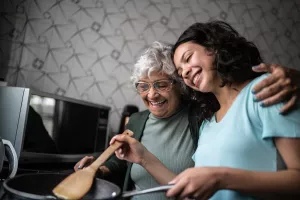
<point>162,85</point>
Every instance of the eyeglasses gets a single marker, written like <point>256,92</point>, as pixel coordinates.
<point>160,86</point>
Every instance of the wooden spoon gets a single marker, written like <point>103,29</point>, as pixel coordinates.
<point>76,185</point>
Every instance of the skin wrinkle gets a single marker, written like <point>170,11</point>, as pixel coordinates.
<point>171,98</point>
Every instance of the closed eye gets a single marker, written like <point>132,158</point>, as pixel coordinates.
<point>188,57</point>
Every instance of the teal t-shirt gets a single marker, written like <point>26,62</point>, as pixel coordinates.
<point>243,138</point>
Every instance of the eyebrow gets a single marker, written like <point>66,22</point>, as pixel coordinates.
<point>184,54</point>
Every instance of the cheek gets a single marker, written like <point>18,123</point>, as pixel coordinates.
<point>144,97</point>
<point>190,85</point>
<point>187,82</point>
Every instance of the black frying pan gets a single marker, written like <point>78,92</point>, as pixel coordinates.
<point>39,186</point>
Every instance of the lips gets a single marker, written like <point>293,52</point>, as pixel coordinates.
<point>157,103</point>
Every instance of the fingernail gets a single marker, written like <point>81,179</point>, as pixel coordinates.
<point>262,104</point>
<point>282,113</point>
<point>255,66</point>
<point>79,167</point>
<point>253,92</point>
<point>255,98</point>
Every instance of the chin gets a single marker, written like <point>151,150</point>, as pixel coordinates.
<point>158,115</point>
<point>194,88</point>
<point>204,90</point>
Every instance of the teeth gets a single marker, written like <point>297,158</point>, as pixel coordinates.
<point>196,79</point>
<point>156,103</point>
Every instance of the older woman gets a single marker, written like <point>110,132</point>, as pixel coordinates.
<point>168,129</point>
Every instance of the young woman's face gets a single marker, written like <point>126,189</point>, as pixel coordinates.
<point>164,101</point>
<point>196,66</point>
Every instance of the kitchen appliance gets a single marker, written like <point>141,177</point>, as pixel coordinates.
<point>25,114</point>
<point>8,151</point>
<point>39,186</point>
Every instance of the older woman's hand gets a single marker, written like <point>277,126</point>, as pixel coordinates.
<point>131,150</point>
<point>196,183</point>
<point>282,84</point>
<point>84,162</point>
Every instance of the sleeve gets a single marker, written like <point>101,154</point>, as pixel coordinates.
<point>274,124</point>
<point>278,125</point>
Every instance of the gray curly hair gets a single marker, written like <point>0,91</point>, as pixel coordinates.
<point>157,58</point>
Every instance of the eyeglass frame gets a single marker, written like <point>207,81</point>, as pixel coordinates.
<point>171,82</point>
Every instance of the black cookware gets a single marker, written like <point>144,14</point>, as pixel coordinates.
<point>39,186</point>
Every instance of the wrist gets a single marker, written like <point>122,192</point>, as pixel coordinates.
<point>146,160</point>
<point>222,174</point>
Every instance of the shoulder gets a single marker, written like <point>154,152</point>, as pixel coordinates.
<point>273,124</point>
<point>139,114</point>
<point>139,117</point>
<point>247,97</point>
<point>257,80</point>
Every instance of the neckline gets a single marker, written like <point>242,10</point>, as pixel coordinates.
<point>232,105</point>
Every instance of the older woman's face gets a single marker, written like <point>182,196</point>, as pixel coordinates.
<point>161,104</point>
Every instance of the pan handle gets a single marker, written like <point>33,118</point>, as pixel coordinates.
<point>150,190</point>
<point>50,197</point>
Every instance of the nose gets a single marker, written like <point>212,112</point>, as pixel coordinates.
<point>186,70</point>
<point>152,92</point>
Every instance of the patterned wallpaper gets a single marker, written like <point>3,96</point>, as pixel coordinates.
<point>85,49</point>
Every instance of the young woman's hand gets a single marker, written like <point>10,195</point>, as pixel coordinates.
<point>282,84</point>
<point>84,162</point>
<point>196,183</point>
<point>131,150</point>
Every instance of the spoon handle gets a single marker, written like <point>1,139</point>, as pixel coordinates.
<point>109,151</point>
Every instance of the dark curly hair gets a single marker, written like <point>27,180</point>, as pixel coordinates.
<point>234,56</point>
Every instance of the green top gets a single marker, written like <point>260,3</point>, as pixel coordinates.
<point>169,139</point>
<point>121,169</point>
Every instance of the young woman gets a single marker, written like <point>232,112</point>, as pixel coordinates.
<point>245,149</point>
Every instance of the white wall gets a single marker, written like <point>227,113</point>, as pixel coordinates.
<point>85,49</point>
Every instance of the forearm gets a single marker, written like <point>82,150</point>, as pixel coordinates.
<point>157,169</point>
<point>286,182</point>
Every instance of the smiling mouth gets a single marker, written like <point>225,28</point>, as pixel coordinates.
<point>196,80</point>
<point>157,103</point>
